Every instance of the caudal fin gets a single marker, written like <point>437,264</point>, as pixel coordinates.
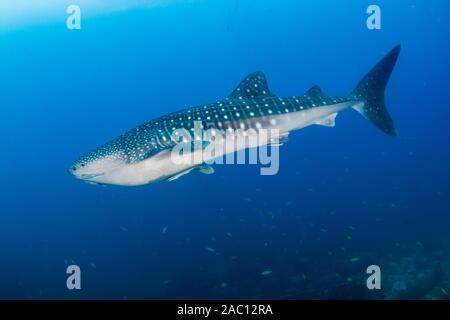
<point>370,91</point>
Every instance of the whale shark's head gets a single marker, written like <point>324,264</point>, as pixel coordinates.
<point>99,165</point>
<point>130,160</point>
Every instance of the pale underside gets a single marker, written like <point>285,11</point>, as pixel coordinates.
<point>161,166</point>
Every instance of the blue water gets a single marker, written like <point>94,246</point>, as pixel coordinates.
<point>344,198</point>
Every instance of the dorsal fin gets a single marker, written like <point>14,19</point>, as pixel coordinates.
<point>253,86</point>
<point>315,92</point>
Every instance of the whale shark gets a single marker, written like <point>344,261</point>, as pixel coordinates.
<point>142,155</point>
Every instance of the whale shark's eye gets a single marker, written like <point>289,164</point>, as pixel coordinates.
<point>83,164</point>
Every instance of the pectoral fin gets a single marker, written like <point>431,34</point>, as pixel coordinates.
<point>180,174</point>
<point>206,169</point>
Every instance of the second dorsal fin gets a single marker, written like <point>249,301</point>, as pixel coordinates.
<point>253,86</point>
<point>315,92</point>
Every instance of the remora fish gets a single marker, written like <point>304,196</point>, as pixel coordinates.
<point>142,155</point>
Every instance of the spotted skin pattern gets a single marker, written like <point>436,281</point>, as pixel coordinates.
<point>251,99</point>
<point>250,106</point>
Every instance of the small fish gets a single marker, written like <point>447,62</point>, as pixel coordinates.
<point>223,285</point>
<point>351,228</point>
<point>123,229</point>
<point>354,259</point>
<point>164,230</point>
<point>266,273</point>
<point>93,265</point>
<point>229,234</point>
<point>210,249</point>
<point>444,291</point>
<point>323,230</point>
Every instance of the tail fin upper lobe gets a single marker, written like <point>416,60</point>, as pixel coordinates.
<point>370,90</point>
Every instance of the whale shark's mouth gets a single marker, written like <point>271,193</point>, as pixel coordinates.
<point>87,176</point>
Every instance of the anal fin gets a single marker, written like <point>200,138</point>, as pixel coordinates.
<point>329,121</point>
